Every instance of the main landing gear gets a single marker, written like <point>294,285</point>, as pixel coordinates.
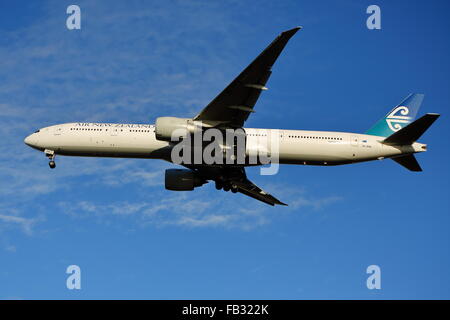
<point>51,155</point>
<point>226,186</point>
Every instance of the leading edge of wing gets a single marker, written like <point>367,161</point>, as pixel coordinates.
<point>237,100</point>
<point>273,50</point>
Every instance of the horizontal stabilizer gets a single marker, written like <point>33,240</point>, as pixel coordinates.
<point>409,162</point>
<point>412,132</point>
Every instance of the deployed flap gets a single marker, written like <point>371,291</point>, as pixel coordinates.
<point>234,104</point>
<point>236,177</point>
<point>409,162</point>
<point>412,131</point>
<point>250,189</point>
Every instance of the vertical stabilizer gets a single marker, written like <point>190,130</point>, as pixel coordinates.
<point>402,115</point>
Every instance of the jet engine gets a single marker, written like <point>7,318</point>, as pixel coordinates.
<point>182,180</point>
<point>167,128</point>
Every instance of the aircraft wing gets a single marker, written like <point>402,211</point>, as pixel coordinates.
<point>235,103</point>
<point>236,176</point>
<point>250,189</point>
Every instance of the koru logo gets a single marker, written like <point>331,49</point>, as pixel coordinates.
<point>398,118</point>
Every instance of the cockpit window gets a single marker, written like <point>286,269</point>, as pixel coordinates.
<point>37,131</point>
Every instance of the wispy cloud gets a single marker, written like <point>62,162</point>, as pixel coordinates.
<point>316,204</point>
<point>105,73</point>
<point>193,210</point>
<point>25,224</point>
<point>128,63</point>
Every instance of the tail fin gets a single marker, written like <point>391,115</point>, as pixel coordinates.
<point>412,132</point>
<point>409,162</point>
<point>403,114</point>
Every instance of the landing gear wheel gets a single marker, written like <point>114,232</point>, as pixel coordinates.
<point>234,189</point>
<point>226,188</point>
<point>218,185</point>
<point>50,154</point>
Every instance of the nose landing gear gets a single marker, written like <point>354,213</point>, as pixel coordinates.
<point>51,155</point>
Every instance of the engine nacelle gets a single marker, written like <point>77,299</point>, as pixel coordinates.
<point>165,128</point>
<point>182,180</point>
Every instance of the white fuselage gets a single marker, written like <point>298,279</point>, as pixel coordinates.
<point>139,141</point>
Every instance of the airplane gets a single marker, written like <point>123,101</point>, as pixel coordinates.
<point>393,136</point>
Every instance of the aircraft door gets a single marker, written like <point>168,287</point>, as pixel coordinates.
<point>354,145</point>
<point>235,146</point>
<point>114,131</point>
<point>58,131</point>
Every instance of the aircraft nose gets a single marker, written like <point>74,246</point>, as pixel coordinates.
<point>30,140</point>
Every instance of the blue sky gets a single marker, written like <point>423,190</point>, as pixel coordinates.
<point>136,60</point>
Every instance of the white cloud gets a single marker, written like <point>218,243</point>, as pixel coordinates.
<point>25,224</point>
<point>104,72</point>
<point>316,204</point>
<point>127,64</point>
<point>205,221</point>
<point>194,209</point>
<point>11,248</point>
